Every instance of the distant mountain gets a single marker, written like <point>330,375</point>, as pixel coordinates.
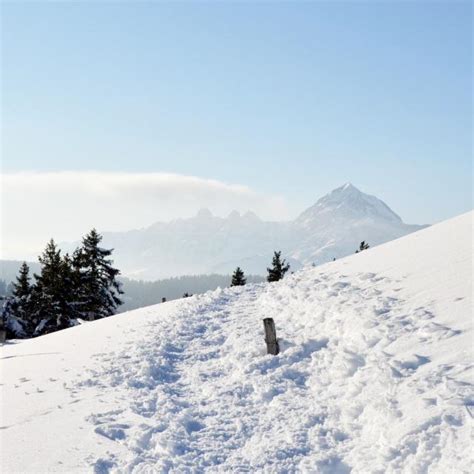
<point>331,228</point>
<point>339,221</point>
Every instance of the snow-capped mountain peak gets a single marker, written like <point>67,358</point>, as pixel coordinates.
<point>348,203</point>
<point>234,215</point>
<point>204,213</point>
<point>251,216</point>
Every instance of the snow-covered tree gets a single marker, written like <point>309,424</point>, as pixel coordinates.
<point>17,307</point>
<point>67,288</point>
<point>52,301</point>
<point>238,278</point>
<point>278,269</point>
<point>99,287</point>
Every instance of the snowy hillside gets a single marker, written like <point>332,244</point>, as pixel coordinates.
<point>333,227</point>
<point>375,375</point>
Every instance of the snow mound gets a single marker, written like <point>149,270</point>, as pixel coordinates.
<point>375,375</point>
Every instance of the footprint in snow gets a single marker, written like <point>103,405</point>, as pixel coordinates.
<point>409,366</point>
<point>430,402</point>
<point>381,311</point>
<point>103,466</point>
<point>367,276</point>
<point>114,432</point>
<point>439,330</point>
<point>192,426</point>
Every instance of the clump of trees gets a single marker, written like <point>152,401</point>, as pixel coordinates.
<point>275,273</point>
<point>278,269</point>
<point>68,289</point>
<point>84,286</point>
<point>363,246</point>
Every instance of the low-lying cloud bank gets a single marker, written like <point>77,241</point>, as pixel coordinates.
<point>37,206</point>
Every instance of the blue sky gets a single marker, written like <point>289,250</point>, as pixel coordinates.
<point>290,99</point>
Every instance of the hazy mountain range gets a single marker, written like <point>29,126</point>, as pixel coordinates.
<point>331,228</point>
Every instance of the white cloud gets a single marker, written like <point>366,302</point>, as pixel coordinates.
<point>65,205</point>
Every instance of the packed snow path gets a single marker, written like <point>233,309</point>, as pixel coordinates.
<point>374,375</point>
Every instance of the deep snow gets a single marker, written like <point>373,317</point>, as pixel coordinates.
<point>375,375</point>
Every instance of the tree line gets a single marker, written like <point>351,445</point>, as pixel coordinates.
<point>79,287</point>
<point>83,287</point>
<point>276,272</point>
<point>69,288</point>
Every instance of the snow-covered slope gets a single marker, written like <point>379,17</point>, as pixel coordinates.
<point>375,375</point>
<point>332,228</point>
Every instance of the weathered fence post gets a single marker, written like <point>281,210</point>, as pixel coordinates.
<point>270,336</point>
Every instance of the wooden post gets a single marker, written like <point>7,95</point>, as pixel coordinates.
<point>270,336</point>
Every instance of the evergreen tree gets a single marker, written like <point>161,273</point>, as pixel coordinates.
<point>363,246</point>
<point>279,268</point>
<point>17,308</point>
<point>22,287</point>
<point>72,286</point>
<point>76,279</point>
<point>238,278</point>
<point>51,299</point>
<point>99,287</point>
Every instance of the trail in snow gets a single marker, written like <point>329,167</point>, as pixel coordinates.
<point>197,403</point>
<point>375,375</point>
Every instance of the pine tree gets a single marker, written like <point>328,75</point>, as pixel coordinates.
<point>16,311</point>
<point>279,268</point>
<point>72,286</point>
<point>76,277</point>
<point>100,290</point>
<point>238,278</point>
<point>22,287</point>
<point>51,306</point>
<point>363,246</point>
